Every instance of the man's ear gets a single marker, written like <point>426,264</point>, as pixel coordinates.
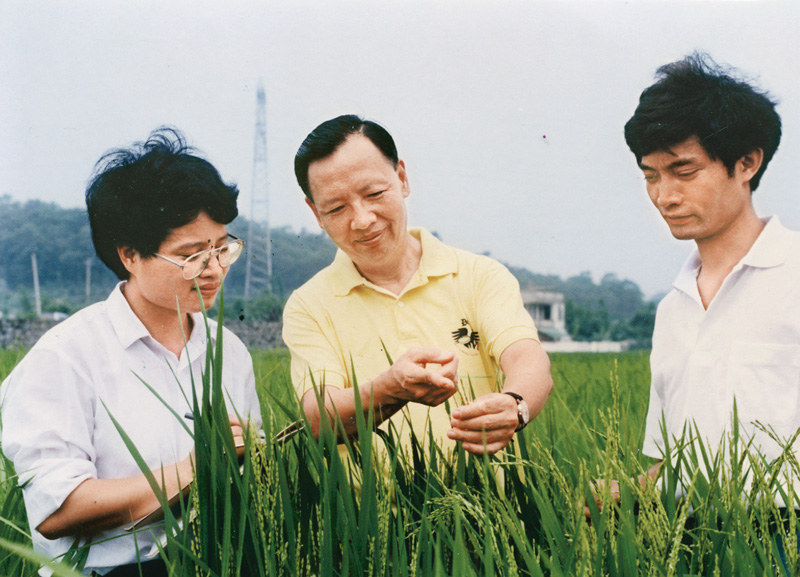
<point>127,256</point>
<point>403,176</point>
<point>750,163</point>
<point>313,208</point>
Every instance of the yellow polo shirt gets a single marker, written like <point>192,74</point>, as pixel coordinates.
<point>336,324</point>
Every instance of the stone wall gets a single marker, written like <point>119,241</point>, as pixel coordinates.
<point>25,333</point>
<point>15,333</point>
<point>258,334</point>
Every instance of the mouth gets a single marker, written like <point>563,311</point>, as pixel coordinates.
<point>370,239</point>
<point>677,219</point>
<point>209,290</point>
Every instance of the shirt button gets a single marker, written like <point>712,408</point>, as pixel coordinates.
<point>401,304</point>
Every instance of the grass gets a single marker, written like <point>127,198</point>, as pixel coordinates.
<point>299,509</point>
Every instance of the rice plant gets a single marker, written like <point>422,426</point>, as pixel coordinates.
<point>297,507</point>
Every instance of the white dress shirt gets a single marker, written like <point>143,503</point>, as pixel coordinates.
<point>746,346</point>
<point>58,433</point>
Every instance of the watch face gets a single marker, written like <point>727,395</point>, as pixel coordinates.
<point>523,411</point>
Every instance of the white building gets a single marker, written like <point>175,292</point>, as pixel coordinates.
<point>549,313</point>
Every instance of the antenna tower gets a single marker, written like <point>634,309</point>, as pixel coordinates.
<point>258,274</point>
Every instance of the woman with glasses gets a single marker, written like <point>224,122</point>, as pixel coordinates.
<point>158,216</point>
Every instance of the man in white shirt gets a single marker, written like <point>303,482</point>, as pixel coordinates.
<point>729,331</point>
<point>158,215</point>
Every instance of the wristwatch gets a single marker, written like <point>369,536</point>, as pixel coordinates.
<point>522,410</point>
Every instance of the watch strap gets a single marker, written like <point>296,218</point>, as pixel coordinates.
<point>519,399</point>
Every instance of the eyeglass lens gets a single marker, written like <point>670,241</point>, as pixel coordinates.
<point>197,263</point>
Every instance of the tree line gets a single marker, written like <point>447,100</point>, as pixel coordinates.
<point>60,238</point>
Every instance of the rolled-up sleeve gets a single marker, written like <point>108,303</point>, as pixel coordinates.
<point>503,319</point>
<point>315,361</point>
<point>241,379</point>
<point>47,411</point>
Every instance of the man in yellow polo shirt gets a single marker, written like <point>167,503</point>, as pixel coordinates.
<point>449,320</point>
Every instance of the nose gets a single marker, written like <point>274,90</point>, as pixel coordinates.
<point>666,193</point>
<point>363,217</point>
<point>213,268</point>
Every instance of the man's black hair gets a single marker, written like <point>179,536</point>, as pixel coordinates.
<point>328,136</point>
<point>695,97</point>
<point>137,196</point>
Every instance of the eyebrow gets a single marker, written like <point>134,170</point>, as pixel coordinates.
<point>371,187</point>
<point>201,245</point>
<point>329,204</point>
<point>672,165</point>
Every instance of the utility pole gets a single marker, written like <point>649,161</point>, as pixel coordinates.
<point>37,297</point>
<point>258,272</point>
<point>88,280</point>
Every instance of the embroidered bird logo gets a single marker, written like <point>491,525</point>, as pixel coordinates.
<point>466,336</point>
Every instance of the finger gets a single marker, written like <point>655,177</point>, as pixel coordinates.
<point>407,373</point>
<point>492,422</point>
<point>481,437</point>
<point>424,355</point>
<point>428,395</point>
<point>233,419</point>
<point>450,369</point>
<point>480,448</point>
<point>427,379</point>
<point>435,399</point>
<point>488,420</point>
<point>491,403</point>
<point>490,425</point>
<point>441,380</point>
<point>597,485</point>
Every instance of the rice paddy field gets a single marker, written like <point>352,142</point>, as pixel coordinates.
<point>298,509</point>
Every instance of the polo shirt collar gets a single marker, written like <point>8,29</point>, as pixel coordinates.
<point>770,249</point>
<point>436,260</point>
<point>129,328</point>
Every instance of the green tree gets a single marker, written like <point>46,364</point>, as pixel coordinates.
<point>587,323</point>
<point>642,324</point>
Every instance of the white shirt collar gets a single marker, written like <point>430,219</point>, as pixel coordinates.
<point>770,249</point>
<point>129,328</point>
<point>772,246</point>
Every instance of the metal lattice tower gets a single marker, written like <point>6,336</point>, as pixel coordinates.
<point>258,274</point>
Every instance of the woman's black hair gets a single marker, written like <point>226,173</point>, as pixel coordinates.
<point>137,196</point>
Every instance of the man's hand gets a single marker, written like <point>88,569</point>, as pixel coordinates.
<point>238,434</point>
<point>485,425</point>
<point>599,485</point>
<point>410,380</point>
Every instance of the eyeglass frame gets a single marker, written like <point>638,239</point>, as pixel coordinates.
<point>212,254</point>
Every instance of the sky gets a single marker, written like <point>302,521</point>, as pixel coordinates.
<point>508,114</point>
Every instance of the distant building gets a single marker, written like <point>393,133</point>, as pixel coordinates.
<point>548,312</point>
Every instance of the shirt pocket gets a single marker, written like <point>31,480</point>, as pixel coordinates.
<point>765,379</point>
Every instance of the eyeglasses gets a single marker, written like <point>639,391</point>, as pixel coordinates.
<point>194,266</point>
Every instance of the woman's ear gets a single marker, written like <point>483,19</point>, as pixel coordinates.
<point>128,256</point>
